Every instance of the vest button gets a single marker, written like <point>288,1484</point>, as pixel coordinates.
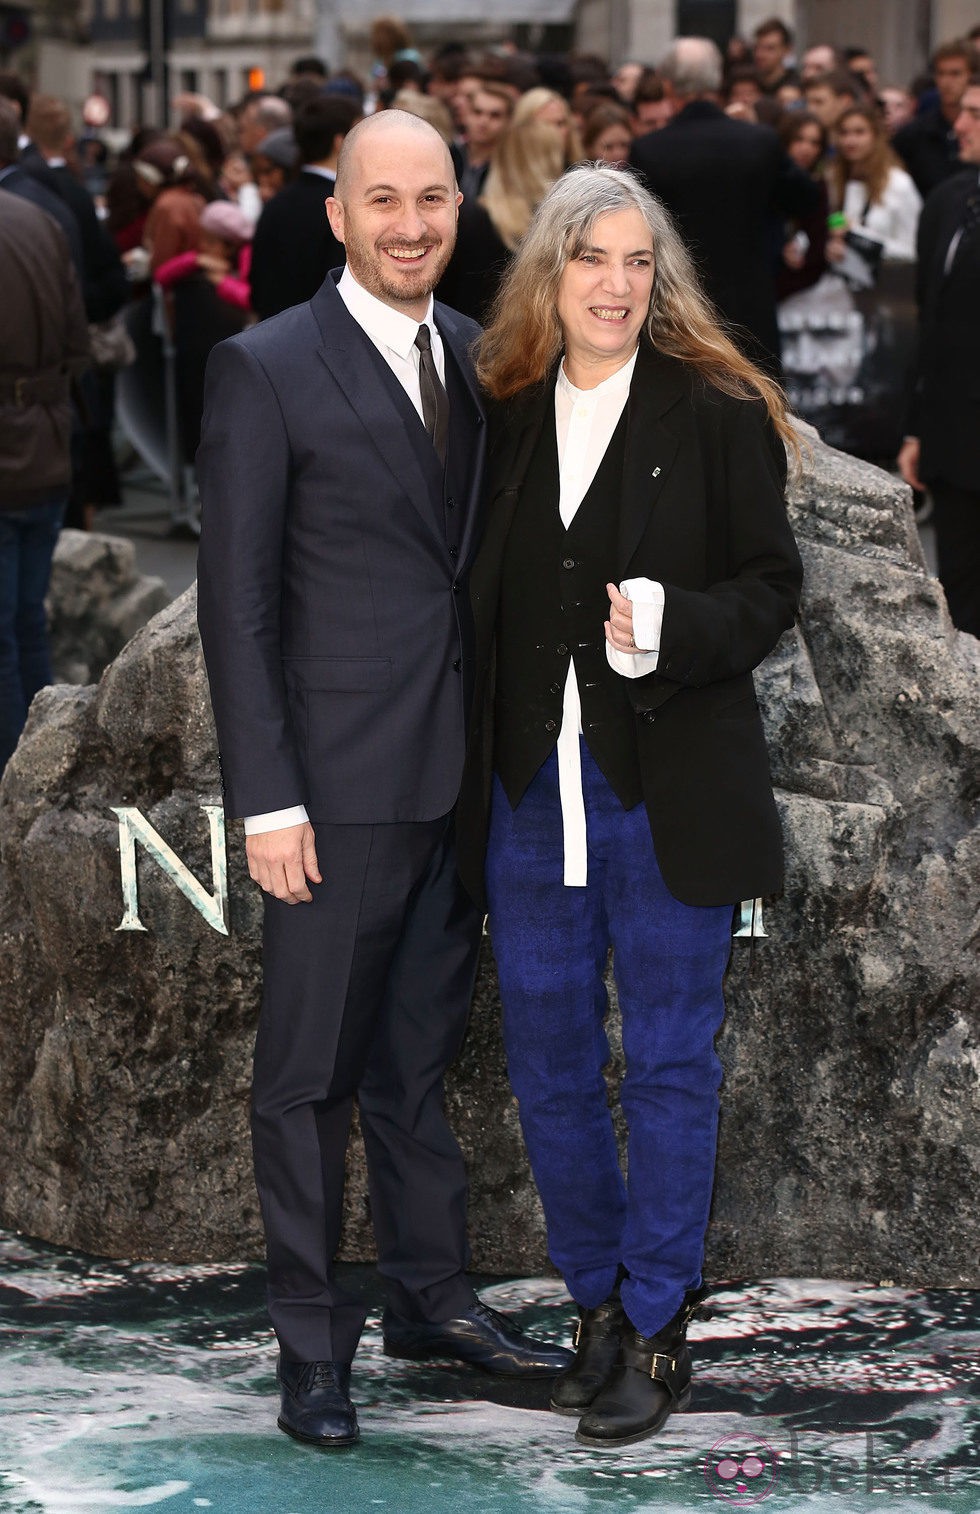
<point>569,562</point>
<point>454,551</point>
<point>562,649</point>
<point>457,664</point>
<point>450,503</point>
<point>551,725</point>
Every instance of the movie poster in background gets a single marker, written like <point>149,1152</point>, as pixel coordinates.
<point>847,355</point>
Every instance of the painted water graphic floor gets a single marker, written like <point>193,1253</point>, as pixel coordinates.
<point>137,1387</point>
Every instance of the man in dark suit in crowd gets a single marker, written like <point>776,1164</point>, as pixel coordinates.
<point>16,179</point>
<point>941,450</point>
<point>340,478</point>
<point>294,246</point>
<point>725,182</point>
<point>104,287</point>
<point>44,342</point>
<point>928,144</point>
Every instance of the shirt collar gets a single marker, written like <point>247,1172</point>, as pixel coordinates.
<point>617,383</point>
<point>381,322</point>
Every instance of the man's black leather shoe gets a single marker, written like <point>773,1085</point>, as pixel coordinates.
<point>597,1342</point>
<point>651,1378</point>
<point>315,1403</point>
<point>481,1337</point>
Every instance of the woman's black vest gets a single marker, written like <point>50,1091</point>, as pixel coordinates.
<point>553,605</point>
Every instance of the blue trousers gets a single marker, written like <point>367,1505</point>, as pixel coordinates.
<point>551,944</point>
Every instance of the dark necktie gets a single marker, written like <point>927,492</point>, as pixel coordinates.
<point>435,400</point>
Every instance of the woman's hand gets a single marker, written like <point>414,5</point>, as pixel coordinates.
<point>836,247</point>
<point>619,626</point>
<point>215,268</point>
<point>908,462</point>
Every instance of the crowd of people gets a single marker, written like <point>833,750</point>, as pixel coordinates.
<point>480,608</point>
<point>801,224</point>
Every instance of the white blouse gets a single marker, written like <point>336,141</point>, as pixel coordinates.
<point>893,220</point>
<point>585,420</point>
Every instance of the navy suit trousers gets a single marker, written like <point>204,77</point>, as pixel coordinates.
<point>367,994</point>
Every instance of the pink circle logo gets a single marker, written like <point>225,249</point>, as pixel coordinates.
<point>739,1471</point>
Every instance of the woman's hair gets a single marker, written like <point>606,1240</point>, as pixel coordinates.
<point>534,100</point>
<point>525,163</point>
<point>599,119</point>
<point>523,339</point>
<point>792,124</point>
<point>880,161</point>
<point>427,108</point>
<point>389,35</point>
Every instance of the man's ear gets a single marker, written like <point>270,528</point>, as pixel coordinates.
<point>335,215</point>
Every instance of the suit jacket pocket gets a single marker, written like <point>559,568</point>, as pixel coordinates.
<point>341,675</point>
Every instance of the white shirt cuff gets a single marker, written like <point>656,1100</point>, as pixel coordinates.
<point>648,599</point>
<point>275,820</point>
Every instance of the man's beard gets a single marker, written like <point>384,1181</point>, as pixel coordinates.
<point>367,265</point>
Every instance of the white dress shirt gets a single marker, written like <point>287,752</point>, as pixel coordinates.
<point>585,420</point>
<point>394,336</point>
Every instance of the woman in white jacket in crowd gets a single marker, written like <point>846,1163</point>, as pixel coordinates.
<point>869,187</point>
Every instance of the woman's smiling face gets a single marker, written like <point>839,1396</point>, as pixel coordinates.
<point>604,294</point>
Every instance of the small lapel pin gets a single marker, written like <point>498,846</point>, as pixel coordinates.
<point>656,473</point>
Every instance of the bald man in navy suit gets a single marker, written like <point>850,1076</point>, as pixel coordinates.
<point>340,471</point>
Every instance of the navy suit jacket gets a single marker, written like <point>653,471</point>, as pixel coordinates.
<point>333,615</point>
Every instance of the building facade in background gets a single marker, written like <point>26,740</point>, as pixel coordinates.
<point>221,48</point>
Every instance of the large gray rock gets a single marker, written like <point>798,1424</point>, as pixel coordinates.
<point>850,1140</point>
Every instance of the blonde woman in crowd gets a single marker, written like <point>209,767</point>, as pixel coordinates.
<point>867,184</point>
<point>540,104</point>
<point>526,162</point>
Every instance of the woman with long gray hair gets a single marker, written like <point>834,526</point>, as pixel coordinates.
<point>637,565</point>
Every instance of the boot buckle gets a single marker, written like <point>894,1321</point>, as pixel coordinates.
<point>578,1334</point>
<point>659,1357</point>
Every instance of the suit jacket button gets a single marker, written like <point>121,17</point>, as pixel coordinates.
<point>551,725</point>
<point>455,588</point>
<point>454,551</point>
<point>457,664</point>
<point>561,649</point>
<point>649,716</point>
<point>569,562</point>
<point>555,688</point>
<point>450,503</point>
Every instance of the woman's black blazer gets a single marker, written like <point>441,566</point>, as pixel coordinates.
<point>702,511</point>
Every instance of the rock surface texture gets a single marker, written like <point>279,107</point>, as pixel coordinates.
<point>97,602</point>
<point>850,1136</point>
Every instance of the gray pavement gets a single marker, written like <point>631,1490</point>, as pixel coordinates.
<point>144,519</point>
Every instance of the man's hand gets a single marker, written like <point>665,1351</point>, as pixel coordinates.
<point>619,626</point>
<point>908,462</point>
<point>281,861</point>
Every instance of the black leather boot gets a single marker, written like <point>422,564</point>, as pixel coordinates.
<point>596,1350</point>
<point>651,1378</point>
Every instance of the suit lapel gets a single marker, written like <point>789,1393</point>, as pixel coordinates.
<point>514,429</point>
<point>651,445</point>
<point>467,425</point>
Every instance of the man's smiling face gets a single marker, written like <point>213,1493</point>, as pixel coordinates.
<point>397,218</point>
